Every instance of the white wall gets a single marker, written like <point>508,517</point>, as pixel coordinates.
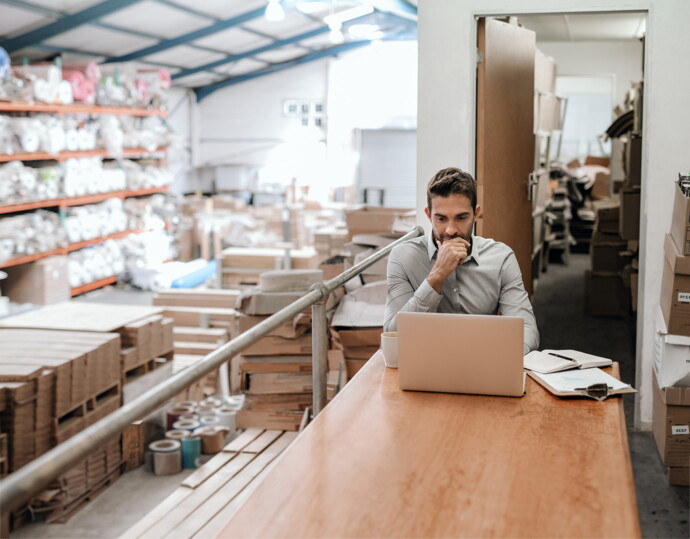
<point>446,122</point>
<point>622,59</point>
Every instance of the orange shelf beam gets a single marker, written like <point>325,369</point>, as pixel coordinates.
<point>93,286</point>
<point>78,201</point>
<point>126,152</point>
<point>79,109</point>
<point>70,248</point>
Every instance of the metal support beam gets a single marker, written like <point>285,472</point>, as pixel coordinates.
<point>190,36</point>
<point>204,91</point>
<point>235,57</point>
<point>65,24</point>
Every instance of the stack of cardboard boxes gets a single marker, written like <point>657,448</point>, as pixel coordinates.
<point>611,285</point>
<point>671,416</point>
<point>276,371</point>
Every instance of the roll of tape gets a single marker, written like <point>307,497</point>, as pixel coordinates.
<point>177,413</point>
<point>164,446</point>
<point>191,451</point>
<point>177,434</point>
<point>227,418</point>
<point>167,463</point>
<point>186,424</point>
<point>209,420</point>
<point>187,404</point>
<point>206,410</point>
<point>212,439</point>
<point>211,401</point>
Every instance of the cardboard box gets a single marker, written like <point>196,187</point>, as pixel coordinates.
<point>605,252</point>
<point>679,476</point>
<point>608,215</point>
<point>371,220</point>
<point>594,160</point>
<point>284,420</point>
<point>675,290</point>
<point>671,356</point>
<point>274,383</point>
<point>629,223</point>
<point>680,222</point>
<point>633,161</point>
<point>605,294</point>
<point>602,186</point>
<point>277,346</point>
<point>671,424</point>
<point>41,282</point>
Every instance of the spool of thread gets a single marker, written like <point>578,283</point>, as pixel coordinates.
<point>167,457</point>
<point>177,434</point>
<point>209,420</point>
<point>174,414</point>
<point>191,451</point>
<point>186,424</point>
<point>227,418</point>
<point>212,439</point>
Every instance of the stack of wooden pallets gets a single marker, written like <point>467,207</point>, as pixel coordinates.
<point>202,506</point>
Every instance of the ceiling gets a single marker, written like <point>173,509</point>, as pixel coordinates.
<point>212,44</point>
<point>207,44</point>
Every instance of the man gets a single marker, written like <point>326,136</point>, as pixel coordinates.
<point>453,271</point>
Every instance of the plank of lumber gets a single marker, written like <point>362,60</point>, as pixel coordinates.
<point>263,441</point>
<point>190,504</point>
<point>208,469</point>
<point>194,348</point>
<point>215,503</point>
<point>243,440</point>
<point>157,513</point>
<point>195,334</point>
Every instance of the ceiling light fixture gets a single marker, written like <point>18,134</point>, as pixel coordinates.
<point>348,14</point>
<point>274,11</point>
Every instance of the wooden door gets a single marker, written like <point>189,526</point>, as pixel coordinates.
<point>505,139</point>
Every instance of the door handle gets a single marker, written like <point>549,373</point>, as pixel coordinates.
<point>531,184</point>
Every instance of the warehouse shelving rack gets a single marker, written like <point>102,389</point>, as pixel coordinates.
<point>65,202</point>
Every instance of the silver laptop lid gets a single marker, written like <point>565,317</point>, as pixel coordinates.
<point>460,353</point>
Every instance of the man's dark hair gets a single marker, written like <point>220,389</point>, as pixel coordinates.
<point>452,181</point>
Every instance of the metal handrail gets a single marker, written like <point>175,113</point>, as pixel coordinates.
<point>21,485</point>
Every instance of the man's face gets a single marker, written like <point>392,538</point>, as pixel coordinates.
<point>452,217</point>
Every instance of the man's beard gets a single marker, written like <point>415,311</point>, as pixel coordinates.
<point>444,237</point>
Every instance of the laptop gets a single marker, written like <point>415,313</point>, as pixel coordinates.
<point>461,353</point>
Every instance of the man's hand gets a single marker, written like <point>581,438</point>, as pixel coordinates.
<point>451,253</point>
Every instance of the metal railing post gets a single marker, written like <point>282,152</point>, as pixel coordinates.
<point>319,353</point>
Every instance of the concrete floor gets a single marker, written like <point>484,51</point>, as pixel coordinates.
<point>558,304</point>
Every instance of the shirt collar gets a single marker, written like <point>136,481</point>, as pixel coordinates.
<point>432,249</point>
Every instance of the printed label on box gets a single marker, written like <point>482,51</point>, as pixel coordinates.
<point>677,430</point>
<point>684,297</point>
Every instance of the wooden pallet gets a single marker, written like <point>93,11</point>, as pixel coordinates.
<point>202,506</point>
<point>87,413</point>
<point>133,373</point>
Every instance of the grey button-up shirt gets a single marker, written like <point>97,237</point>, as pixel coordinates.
<point>489,281</point>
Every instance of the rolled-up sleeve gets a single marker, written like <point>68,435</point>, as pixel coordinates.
<point>402,296</point>
<point>513,301</point>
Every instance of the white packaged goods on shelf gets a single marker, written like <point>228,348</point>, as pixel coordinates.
<point>95,263</point>
<point>95,220</point>
<point>46,83</point>
<point>143,176</point>
<point>87,175</point>
<point>147,249</point>
<point>123,84</point>
<point>148,132</point>
<point>30,233</point>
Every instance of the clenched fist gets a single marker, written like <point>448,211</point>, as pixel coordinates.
<point>451,253</point>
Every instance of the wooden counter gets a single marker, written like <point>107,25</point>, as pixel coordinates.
<point>380,462</point>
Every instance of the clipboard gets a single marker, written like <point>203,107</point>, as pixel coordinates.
<point>592,383</point>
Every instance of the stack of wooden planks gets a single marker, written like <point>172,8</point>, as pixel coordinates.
<point>243,265</point>
<point>208,498</point>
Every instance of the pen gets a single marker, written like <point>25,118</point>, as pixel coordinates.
<point>562,357</point>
